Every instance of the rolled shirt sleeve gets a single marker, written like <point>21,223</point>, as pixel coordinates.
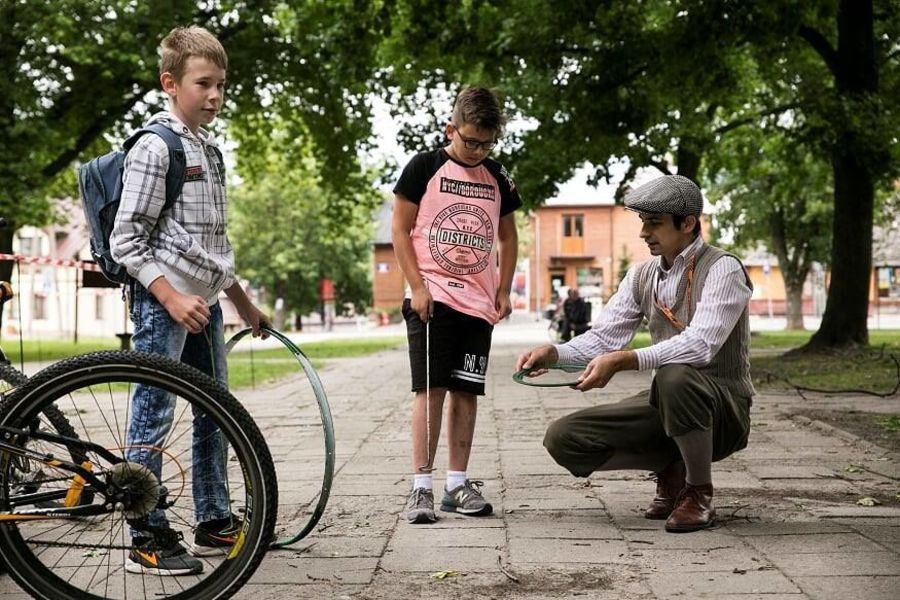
<point>613,330</point>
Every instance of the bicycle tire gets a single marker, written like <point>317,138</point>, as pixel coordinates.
<point>53,415</point>
<point>327,429</point>
<point>11,375</point>
<point>201,392</point>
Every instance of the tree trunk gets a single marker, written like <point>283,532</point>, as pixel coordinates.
<point>6,266</point>
<point>794,306</point>
<point>688,159</point>
<point>844,322</point>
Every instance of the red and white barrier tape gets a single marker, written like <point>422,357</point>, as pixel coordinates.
<point>52,262</point>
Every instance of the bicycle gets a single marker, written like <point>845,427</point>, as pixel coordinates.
<point>67,533</point>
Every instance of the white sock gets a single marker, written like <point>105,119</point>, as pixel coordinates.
<point>455,479</point>
<point>423,481</point>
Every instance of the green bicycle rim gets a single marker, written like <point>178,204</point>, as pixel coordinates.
<point>520,376</point>
<point>327,426</point>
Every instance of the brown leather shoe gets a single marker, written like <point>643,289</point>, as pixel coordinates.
<point>669,482</point>
<point>693,509</point>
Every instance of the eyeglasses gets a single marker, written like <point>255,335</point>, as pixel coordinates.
<point>473,144</point>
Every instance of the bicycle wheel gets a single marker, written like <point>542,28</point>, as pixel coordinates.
<point>10,377</point>
<point>28,473</point>
<point>295,393</point>
<point>84,557</point>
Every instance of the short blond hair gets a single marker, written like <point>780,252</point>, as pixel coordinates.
<point>183,43</point>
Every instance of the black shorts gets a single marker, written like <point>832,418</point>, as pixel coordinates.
<point>460,346</point>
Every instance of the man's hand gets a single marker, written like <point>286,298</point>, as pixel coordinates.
<point>422,303</point>
<point>503,305</point>
<point>600,370</point>
<point>537,358</point>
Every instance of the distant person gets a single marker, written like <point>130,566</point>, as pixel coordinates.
<point>575,316</point>
<point>453,219</point>
<point>697,409</point>
<point>180,259</point>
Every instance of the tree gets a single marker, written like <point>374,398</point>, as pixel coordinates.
<point>775,191</point>
<point>287,238</point>
<point>855,119</point>
<point>596,82</point>
<point>75,72</point>
<point>662,82</point>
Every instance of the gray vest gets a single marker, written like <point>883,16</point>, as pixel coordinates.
<point>731,365</point>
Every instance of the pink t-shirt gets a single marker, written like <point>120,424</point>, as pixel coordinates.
<point>455,236</point>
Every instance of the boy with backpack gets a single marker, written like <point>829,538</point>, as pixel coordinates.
<point>179,259</point>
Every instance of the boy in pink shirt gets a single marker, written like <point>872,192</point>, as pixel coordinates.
<point>453,217</point>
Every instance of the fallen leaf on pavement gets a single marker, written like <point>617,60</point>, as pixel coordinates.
<point>444,574</point>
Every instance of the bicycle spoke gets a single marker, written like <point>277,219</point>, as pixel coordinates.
<point>114,554</point>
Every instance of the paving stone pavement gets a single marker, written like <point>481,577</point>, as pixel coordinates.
<point>789,525</point>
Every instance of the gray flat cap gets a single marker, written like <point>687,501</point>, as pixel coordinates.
<point>669,194</point>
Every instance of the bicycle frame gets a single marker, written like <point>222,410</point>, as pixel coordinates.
<point>79,471</point>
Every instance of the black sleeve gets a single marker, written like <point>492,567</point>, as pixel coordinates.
<point>509,194</point>
<point>415,177</point>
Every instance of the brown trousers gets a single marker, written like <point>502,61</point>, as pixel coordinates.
<point>681,400</point>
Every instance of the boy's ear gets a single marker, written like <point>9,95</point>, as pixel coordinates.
<point>167,80</point>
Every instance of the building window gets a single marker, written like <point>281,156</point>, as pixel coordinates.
<point>592,276</point>
<point>573,226</point>
<point>40,307</point>
<point>98,307</point>
<point>30,246</point>
<point>889,282</point>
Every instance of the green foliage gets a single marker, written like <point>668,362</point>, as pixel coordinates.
<point>287,237</point>
<point>662,83</point>
<point>76,71</point>
<point>595,81</point>
<point>890,423</point>
<point>771,189</point>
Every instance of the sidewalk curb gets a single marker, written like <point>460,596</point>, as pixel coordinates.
<point>854,439</point>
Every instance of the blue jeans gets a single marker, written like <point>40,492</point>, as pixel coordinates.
<point>153,410</point>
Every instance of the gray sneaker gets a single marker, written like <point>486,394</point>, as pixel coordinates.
<point>420,506</point>
<point>466,500</point>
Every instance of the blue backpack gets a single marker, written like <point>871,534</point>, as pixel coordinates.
<point>100,184</point>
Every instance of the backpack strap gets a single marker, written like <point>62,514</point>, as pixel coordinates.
<point>177,160</point>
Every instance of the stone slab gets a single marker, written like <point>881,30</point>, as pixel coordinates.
<point>844,588</point>
<point>567,551</point>
<point>814,543</point>
<point>837,563</point>
<point>712,585</point>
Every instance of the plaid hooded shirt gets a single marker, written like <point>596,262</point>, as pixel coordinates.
<point>186,243</point>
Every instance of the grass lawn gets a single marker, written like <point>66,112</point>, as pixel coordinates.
<point>46,351</point>
<point>869,368</point>
<point>246,369</point>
